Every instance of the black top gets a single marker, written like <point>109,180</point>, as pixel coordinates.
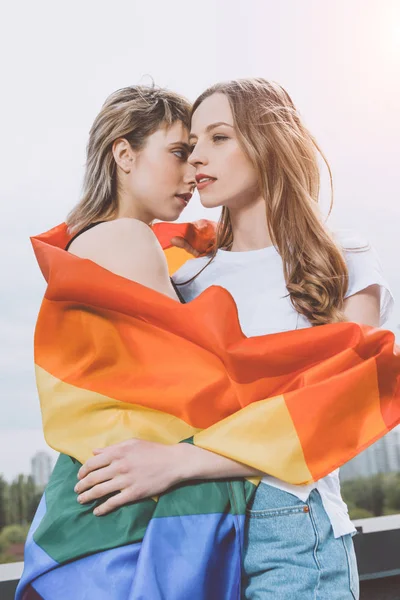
<point>182,300</point>
<point>82,231</point>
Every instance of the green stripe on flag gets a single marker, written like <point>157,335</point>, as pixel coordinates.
<point>69,530</point>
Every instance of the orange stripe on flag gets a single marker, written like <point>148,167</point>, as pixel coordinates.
<point>347,407</point>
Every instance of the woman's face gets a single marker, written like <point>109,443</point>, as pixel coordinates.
<point>224,174</point>
<point>161,181</point>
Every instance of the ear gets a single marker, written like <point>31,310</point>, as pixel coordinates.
<point>123,154</point>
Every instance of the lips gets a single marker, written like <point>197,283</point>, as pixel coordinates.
<point>204,180</point>
<point>184,198</point>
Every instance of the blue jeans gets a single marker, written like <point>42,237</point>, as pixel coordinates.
<point>291,553</point>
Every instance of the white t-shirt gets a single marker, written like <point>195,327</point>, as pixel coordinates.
<point>256,282</point>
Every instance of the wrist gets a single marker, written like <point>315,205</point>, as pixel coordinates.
<point>185,461</point>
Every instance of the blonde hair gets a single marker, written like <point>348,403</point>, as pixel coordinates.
<point>132,113</point>
<point>284,154</point>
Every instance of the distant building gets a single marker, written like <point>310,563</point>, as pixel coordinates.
<point>42,466</point>
<point>381,457</point>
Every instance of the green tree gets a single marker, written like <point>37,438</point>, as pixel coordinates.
<point>23,500</point>
<point>34,500</point>
<point>14,503</point>
<point>392,493</point>
<point>360,513</point>
<point>366,493</point>
<point>13,534</point>
<point>377,496</point>
<point>4,503</point>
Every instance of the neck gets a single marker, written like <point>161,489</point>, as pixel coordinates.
<point>128,208</point>
<point>250,227</point>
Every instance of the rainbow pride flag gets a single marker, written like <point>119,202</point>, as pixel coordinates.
<point>116,360</point>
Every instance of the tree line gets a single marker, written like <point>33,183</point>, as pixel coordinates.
<point>18,503</point>
<point>372,496</point>
<point>365,497</point>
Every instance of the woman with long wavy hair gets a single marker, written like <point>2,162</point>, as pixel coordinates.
<point>255,158</point>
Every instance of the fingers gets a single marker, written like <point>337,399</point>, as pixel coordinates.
<point>94,478</point>
<point>96,462</point>
<point>114,502</point>
<point>100,490</point>
<point>180,242</point>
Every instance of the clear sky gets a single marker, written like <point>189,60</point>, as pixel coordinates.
<point>340,61</point>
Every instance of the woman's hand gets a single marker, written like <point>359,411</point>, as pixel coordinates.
<point>137,469</point>
<point>200,239</point>
<point>180,242</point>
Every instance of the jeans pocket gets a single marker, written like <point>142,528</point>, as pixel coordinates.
<point>274,502</point>
<point>352,565</point>
<point>276,512</point>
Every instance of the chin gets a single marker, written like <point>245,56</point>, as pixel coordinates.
<point>209,201</point>
<point>171,216</point>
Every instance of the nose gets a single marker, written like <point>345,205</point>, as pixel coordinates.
<point>197,158</point>
<point>190,175</point>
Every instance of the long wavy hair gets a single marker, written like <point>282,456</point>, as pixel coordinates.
<point>284,154</point>
<point>132,113</point>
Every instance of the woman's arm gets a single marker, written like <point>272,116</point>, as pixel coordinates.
<point>140,469</point>
<point>364,307</point>
<point>147,469</point>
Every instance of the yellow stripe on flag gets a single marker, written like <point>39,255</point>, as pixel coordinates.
<point>176,258</point>
<point>279,449</point>
<point>76,420</point>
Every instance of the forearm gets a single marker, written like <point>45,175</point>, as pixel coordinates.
<point>196,463</point>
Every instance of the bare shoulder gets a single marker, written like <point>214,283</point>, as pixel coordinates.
<point>127,247</point>
<point>125,230</point>
<point>131,228</point>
